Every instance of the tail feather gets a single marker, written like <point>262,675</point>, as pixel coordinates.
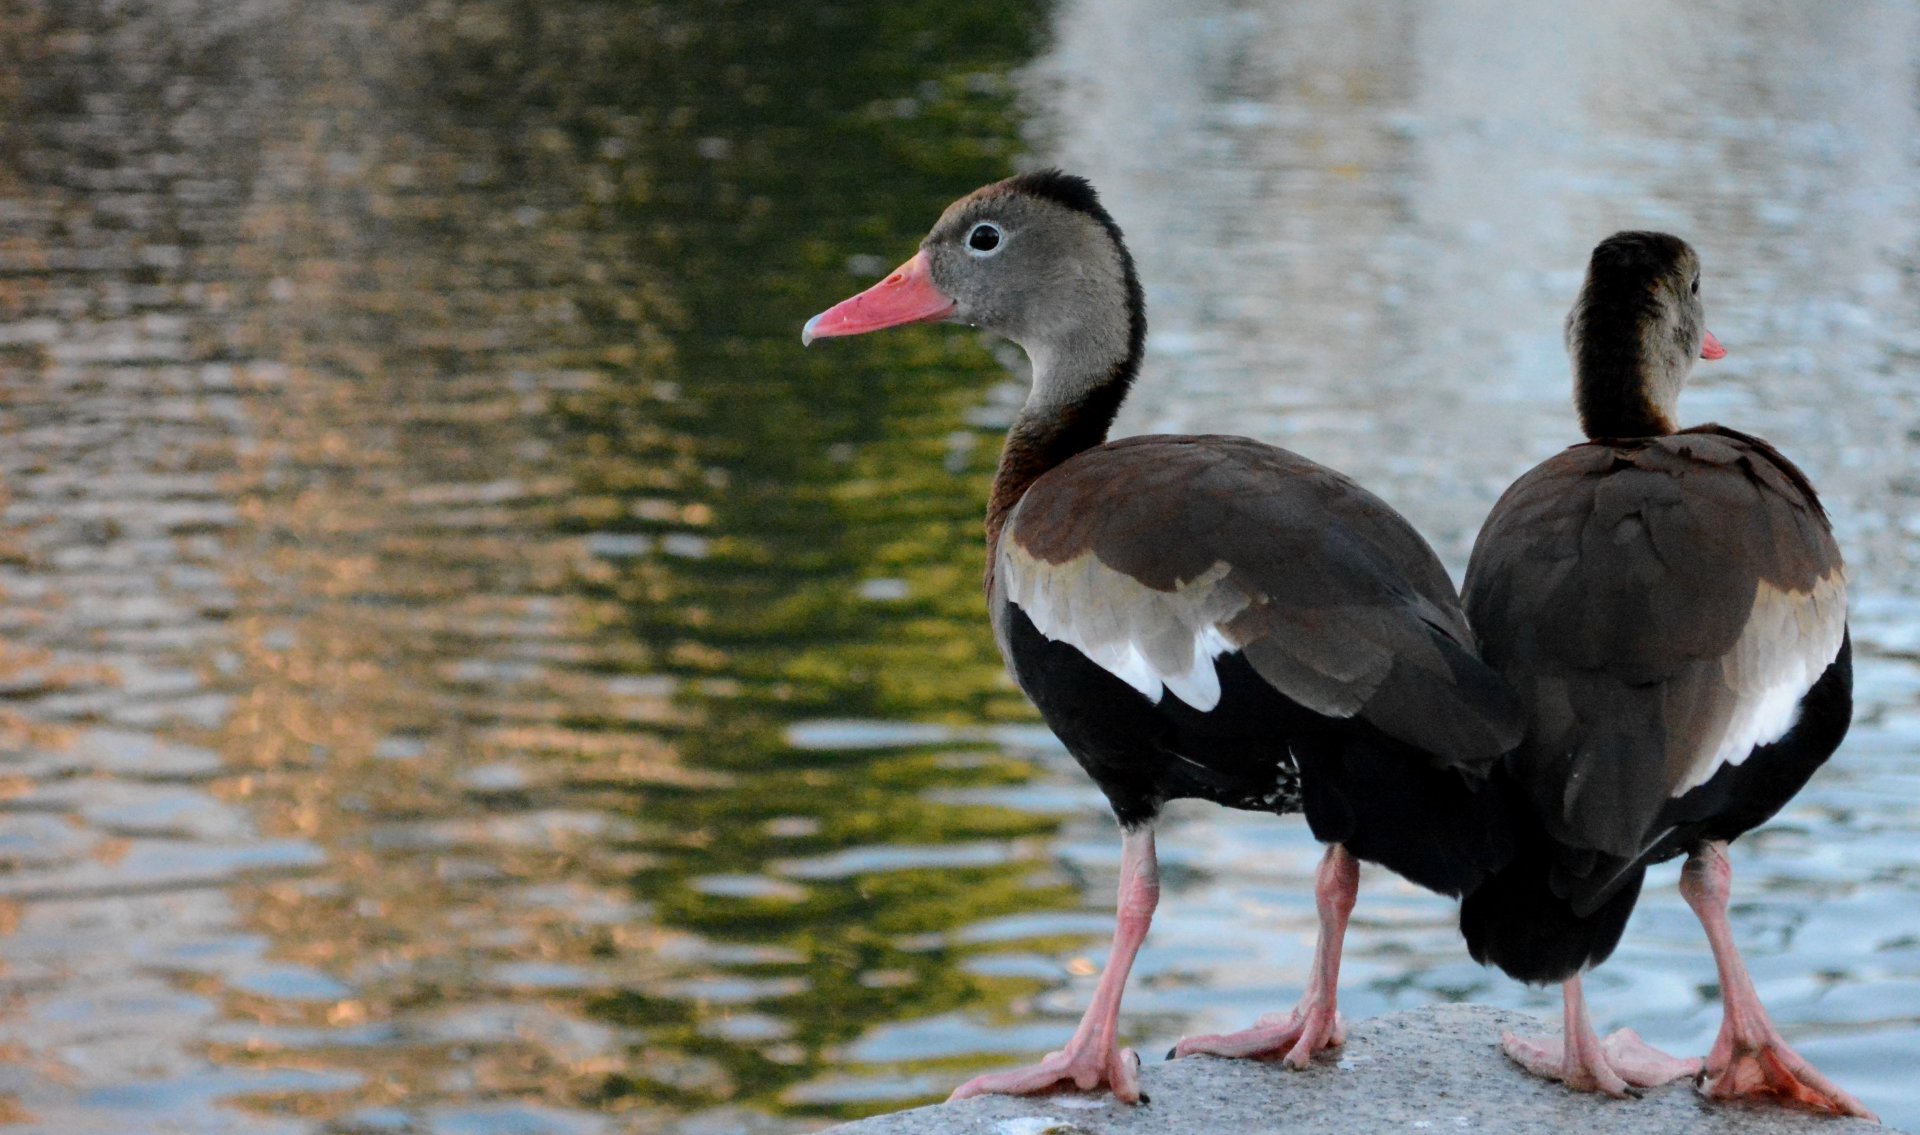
<point>1521,921</point>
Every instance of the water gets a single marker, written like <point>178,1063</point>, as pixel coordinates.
<point>464,669</point>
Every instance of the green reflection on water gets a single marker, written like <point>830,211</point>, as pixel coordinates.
<point>787,139</point>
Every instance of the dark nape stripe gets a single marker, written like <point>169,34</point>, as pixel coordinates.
<point>1610,392</point>
<point>1129,368</point>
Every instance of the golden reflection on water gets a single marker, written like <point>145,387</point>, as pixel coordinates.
<point>537,537</point>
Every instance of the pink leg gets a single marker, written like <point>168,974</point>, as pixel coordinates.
<point>1582,1062</point>
<point>1090,1057</point>
<point>1315,1023</point>
<point>1749,1058</point>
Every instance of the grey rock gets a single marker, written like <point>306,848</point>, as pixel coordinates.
<point>1436,1069</point>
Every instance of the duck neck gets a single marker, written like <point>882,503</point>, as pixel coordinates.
<point>1624,383</point>
<point>1077,391</point>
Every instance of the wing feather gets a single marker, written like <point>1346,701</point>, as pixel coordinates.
<point>1155,556</point>
<point>1662,607</point>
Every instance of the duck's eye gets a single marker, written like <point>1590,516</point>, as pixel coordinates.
<point>983,239</point>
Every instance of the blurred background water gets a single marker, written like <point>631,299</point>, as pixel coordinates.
<point>464,669</point>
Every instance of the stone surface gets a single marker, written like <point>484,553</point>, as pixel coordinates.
<point>1435,1069</point>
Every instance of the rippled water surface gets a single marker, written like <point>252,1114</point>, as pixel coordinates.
<point>464,669</point>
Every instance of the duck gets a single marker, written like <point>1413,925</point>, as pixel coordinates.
<point>1200,616</point>
<point>1670,607</point>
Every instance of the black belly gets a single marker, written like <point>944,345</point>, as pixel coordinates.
<point>1259,750</point>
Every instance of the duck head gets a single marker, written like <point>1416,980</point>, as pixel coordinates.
<point>1634,333</point>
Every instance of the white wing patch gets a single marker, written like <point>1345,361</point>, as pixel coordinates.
<point>1199,687</point>
<point>1152,640</point>
<point>1791,637</point>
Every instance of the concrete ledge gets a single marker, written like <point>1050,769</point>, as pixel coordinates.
<point>1436,1069</point>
